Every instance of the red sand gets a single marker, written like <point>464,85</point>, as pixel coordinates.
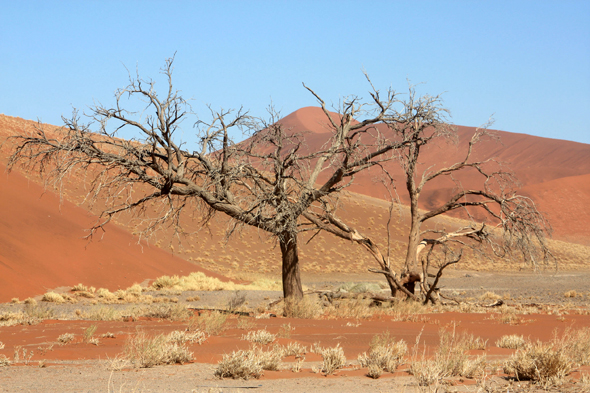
<point>352,335</point>
<point>42,246</point>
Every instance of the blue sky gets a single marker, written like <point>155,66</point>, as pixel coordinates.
<point>525,62</point>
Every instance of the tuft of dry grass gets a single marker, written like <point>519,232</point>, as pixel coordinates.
<point>211,323</point>
<point>259,337</point>
<point>511,341</point>
<point>143,351</point>
<point>333,358</point>
<point>285,330</point>
<point>248,364</point>
<point>385,354</point>
<point>53,297</point>
<point>4,361</point>
<point>181,337</point>
<point>544,363</point>
<point>65,338</point>
<point>306,308</point>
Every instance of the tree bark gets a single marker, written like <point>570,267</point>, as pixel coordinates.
<point>291,278</point>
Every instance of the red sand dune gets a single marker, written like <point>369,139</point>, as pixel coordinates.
<point>535,161</point>
<point>42,246</point>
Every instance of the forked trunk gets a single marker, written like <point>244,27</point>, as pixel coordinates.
<point>291,277</point>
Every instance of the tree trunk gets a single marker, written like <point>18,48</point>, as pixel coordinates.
<point>291,277</point>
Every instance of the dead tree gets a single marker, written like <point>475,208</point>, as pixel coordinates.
<point>269,181</point>
<point>513,223</point>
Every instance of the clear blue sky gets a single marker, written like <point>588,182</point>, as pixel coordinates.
<point>526,62</point>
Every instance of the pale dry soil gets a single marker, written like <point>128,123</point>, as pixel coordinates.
<point>92,375</point>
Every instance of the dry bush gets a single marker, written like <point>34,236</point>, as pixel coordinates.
<point>571,293</point>
<point>427,372</point>
<point>1,345</point>
<point>80,287</point>
<point>356,308</point>
<point>106,295</point>
<point>285,330</point>
<point>576,344</point>
<point>30,301</point>
<point>143,351</point>
<point>53,297</point>
<point>490,296</point>
<point>4,361</point>
<point>239,364</point>
<point>165,282</point>
<point>65,338</point>
<point>210,323</point>
<point>173,312</point>
<point>245,323</point>
<point>511,341</point>
<point>101,314</point>
<point>306,308</point>
<point>89,332</point>
<point>259,337</point>
<point>385,354</point>
<point>547,364</point>
<point>293,349</point>
<point>333,358</point>
<point>15,300</point>
<point>181,337</point>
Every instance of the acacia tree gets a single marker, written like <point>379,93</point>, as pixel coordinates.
<point>268,181</point>
<point>512,225</point>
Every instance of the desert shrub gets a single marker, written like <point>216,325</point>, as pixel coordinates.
<point>65,338</point>
<point>165,282</point>
<point>181,337</point>
<point>333,358</point>
<point>571,293</point>
<point>239,364</point>
<point>89,332</point>
<point>106,295</point>
<point>427,372</point>
<point>293,349</point>
<point>576,344</point>
<point>4,361</point>
<point>15,300</point>
<point>259,337</point>
<point>30,300</point>
<point>173,312</point>
<point>356,307</point>
<point>539,362</point>
<point>245,323</point>
<point>306,308</point>
<point>285,330</point>
<point>511,341</point>
<point>490,296</point>
<point>211,323</point>
<point>143,351</point>
<point>79,287</point>
<point>101,313</point>
<point>53,297</point>
<point>384,353</point>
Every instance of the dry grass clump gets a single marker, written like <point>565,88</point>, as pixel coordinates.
<point>65,338</point>
<point>79,287</point>
<point>198,281</point>
<point>245,323</point>
<point>306,308</point>
<point>490,296</point>
<point>259,337</point>
<point>248,364</point>
<point>356,307</point>
<point>4,361</point>
<point>1,345</point>
<point>53,297</point>
<point>576,343</point>
<point>30,315</point>
<point>173,312</point>
<point>511,341</point>
<point>385,354</point>
<point>143,351</point>
<point>181,337</point>
<point>101,313</point>
<point>543,363</point>
<point>211,323</point>
<point>571,293</point>
<point>293,349</point>
<point>106,296</point>
<point>450,359</point>
<point>333,358</point>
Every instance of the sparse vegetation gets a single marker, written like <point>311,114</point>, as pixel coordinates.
<point>540,362</point>
<point>512,342</point>
<point>143,351</point>
<point>211,323</point>
<point>333,358</point>
<point>65,338</point>
<point>385,354</point>
<point>259,337</point>
<point>53,297</point>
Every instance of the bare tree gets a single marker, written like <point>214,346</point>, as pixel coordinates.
<point>269,181</point>
<point>512,222</point>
